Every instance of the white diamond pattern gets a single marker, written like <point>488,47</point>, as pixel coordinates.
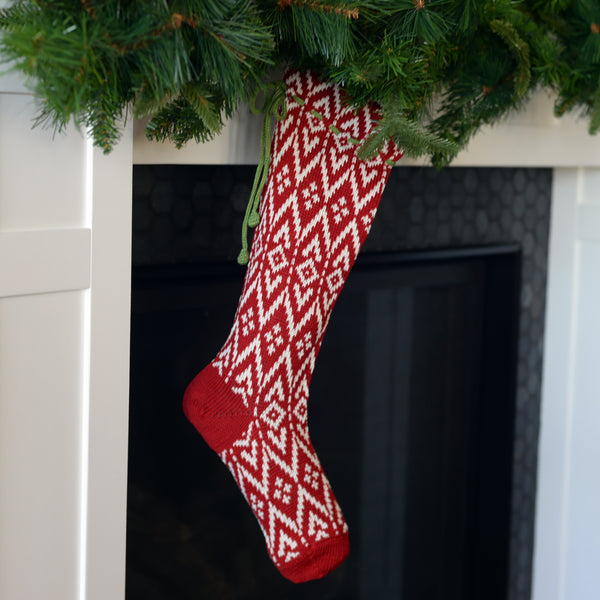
<point>317,208</point>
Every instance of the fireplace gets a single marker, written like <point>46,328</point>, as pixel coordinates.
<point>432,359</point>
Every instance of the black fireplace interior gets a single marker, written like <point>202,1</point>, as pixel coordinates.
<point>413,411</point>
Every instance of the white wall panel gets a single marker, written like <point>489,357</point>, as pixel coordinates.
<point>65,224</point>
<point>33,262</point>
<point>40,399</point>
<point>42,177</point>
<point>583,485</point>
<point>590,193</point>
<point>557,392</point>
<point>588,222</point>
<point>567,538</point>
<point>11,82</point>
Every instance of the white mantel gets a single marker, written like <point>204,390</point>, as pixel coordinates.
<point>533,137</point>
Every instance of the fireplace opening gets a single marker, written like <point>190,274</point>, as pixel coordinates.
<point>411,410</point>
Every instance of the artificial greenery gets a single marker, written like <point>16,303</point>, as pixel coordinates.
<point>440,69</point>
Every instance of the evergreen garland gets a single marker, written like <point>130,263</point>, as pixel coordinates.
<point>440,69</point>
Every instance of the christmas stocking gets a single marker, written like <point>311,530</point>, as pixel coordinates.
<point>250,402</point>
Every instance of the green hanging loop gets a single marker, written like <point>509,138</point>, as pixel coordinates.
<point>273,106</point>
<point>262,171</point>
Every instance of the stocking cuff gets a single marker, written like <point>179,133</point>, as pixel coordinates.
<point>329,103</point>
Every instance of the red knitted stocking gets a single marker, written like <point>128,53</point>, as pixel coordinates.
<point>250,403</point>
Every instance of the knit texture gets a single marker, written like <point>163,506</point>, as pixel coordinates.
<point>250,402</point>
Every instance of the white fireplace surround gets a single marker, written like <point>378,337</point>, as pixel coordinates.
<point>65,242</point>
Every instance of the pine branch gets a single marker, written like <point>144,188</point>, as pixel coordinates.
<point>422,19</point>
<point>440,68</point>
<point>348,12</point>
<point>520,50</point>
<point>180,122</point>
<point>413,138</point>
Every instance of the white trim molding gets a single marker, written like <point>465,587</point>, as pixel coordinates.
<point>105,414</point>
<point>567,531</point>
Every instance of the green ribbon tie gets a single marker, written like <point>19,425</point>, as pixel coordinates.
<point>274,106</point>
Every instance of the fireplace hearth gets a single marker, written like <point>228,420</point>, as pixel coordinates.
<point>424,403</point>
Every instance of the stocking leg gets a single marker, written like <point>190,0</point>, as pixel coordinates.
<point>250,403</point>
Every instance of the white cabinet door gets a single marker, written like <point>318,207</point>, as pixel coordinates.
<point>65,237</point>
